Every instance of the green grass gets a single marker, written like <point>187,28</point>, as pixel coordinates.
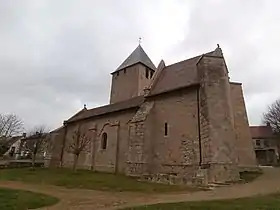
<point>249,176</point>
<point>22,200</point>
<point>87,180</point>
<point>269,202</point>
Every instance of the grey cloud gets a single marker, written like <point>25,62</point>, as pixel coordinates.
<point>56,55</point>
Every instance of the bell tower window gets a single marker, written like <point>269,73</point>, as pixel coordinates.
<point>151,75</point>
<point>147,72</point>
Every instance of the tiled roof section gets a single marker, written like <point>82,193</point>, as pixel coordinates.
<point>137,56</point>
<point>131,103</point>
<point>177,75</point>
<point>261,131</point>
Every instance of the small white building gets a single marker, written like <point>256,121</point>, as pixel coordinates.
<point>14,144</point>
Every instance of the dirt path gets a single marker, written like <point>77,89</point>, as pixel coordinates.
<point>77,199</point>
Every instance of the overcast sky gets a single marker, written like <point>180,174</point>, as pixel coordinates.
<point>56,55</point>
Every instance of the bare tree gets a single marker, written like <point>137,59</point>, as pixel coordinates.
<point>10,125</point>
<point>36,142</point>
<point>79,143</point>
<point>272,116</point>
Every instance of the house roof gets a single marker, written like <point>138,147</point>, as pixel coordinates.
<point>127,104</point>
<point>262,131</point>
<point>10,141</point>
<point>137,56</point>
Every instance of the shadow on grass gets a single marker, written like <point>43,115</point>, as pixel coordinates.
<point>21,200</point>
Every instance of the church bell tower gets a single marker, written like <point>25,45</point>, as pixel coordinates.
<point>132,76</point>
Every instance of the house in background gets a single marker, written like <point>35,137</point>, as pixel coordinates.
<point>265,145</point>
<point>12,146</point>
<point>29,144</point>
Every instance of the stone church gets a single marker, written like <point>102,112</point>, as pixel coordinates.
<point>179,123</point>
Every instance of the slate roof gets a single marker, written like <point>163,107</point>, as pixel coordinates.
<point>137,56</point>
<point>262,131</point>
<point>131,103</point>
<point>175,76</point>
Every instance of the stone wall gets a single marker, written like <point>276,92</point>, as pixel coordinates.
<point>176,153</point>
<point>124,84</point>
<point>244,144</point>
<point>111,159</point>
<point>139,142</point>
<point>217,129</point>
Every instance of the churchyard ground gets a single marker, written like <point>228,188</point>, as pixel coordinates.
<point>261,193</point>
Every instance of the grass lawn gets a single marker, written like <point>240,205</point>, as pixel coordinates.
<point>22,200</point>
<point>254,203</point>
<point>86,179</point>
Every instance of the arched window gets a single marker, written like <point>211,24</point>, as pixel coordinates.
<point>104,141</point>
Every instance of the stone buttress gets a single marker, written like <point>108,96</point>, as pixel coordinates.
<point>216,117</point>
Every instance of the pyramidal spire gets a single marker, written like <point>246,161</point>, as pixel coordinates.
<point>137,56</point>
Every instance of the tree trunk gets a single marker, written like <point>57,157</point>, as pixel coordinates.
<point>76,157</point>
<point>33,160</point>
